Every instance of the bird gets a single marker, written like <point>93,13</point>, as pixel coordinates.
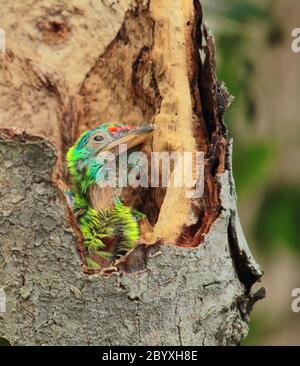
<point>109,228</point>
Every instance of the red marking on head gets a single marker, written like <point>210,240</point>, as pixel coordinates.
<point>115,129</point>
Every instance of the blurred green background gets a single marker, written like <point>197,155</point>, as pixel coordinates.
<point>254,58</point>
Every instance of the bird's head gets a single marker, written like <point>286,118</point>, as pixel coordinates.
<point>82,158</point>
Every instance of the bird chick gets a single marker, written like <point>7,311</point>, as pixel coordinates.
<point>109,228</point>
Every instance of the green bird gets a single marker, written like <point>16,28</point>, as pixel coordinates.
<point>109,228</point>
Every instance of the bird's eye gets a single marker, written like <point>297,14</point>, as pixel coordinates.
<point>98,138</point>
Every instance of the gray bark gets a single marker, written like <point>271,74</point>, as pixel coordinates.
<point>171,296</point>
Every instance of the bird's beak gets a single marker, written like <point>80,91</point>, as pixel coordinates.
<point>132,138</point>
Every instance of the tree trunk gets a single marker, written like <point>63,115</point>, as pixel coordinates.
<point>68,66</point>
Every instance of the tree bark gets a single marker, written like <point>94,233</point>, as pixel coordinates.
<point>69,66</point>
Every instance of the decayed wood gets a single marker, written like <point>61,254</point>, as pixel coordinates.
<point>70,66</point>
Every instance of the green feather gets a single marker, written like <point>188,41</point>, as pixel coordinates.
<point>95,225</point>
<point>123,219</point>
<point>92,264</point>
